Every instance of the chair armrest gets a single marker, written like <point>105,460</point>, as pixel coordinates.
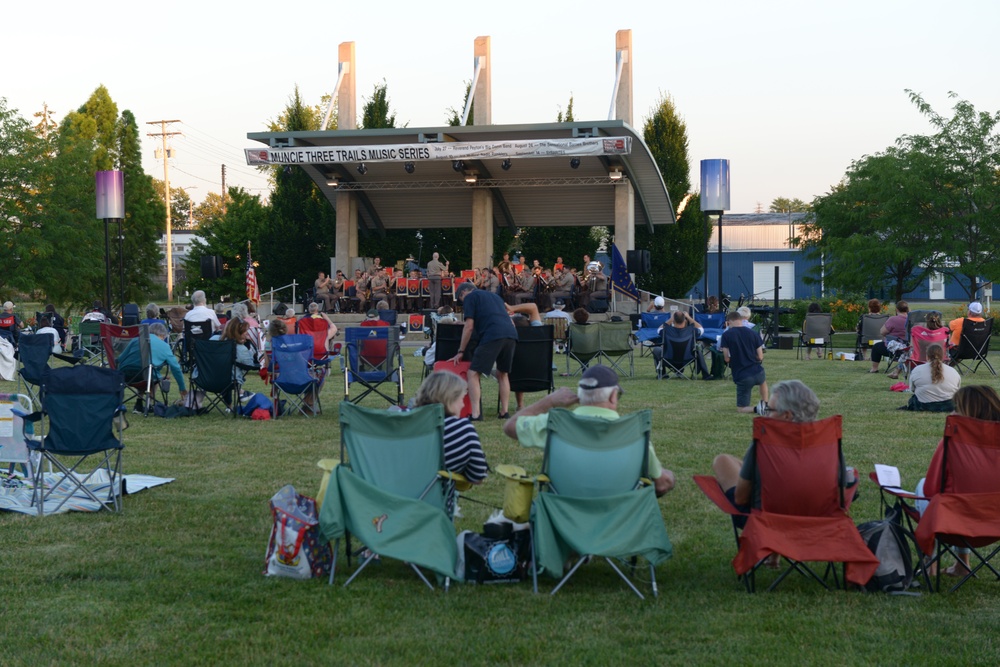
<point>327,465</point>
<point>710,487</point>
<point>27,416</point>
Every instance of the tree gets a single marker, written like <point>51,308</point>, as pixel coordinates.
<point>785,205</point>
<point>677,250</point>
<point>375,113</point>
<point>245,219</point>
<point>97,122</point>
<point>210,209</point>
<point>568,116</point>
<point>145,215</point>
<point>454,117</point>
<point>181,207</point>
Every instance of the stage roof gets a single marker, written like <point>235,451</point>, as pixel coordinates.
<point>539,188</point>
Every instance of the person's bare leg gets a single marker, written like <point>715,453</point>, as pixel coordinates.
<point>726,469</point>
<point>475,392</point>
<point>765,394</point>
<point>503,380</point>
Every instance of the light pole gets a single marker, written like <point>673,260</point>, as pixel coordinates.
<point>715,200</point>
<point>110,195</point>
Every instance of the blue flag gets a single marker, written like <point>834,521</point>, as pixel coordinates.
<point>621,281</point>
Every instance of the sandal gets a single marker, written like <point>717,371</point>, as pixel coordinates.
<point>954,571</point>
<point>505,415</point>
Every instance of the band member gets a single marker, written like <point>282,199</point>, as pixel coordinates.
<point>505,267</point>
<point>379,286</point>
<point>435,271</point>
<point>526,283</point>
<point>361,289</point>
<point>563,282</point>
<point>487,280</point>
<point>338,290</point>
<point>324,291</point>
<point>595,285</point>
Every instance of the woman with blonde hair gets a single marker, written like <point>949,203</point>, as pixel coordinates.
<point>463,453</point>
<point>933,384</point>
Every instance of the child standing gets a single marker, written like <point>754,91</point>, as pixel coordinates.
<point>743,349</point>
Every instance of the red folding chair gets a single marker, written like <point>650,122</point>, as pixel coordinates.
<point>462,370</point>
<point>920,340</point>
<point>967,511</point>
<point>803,515</point>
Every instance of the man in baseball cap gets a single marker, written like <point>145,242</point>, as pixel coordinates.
<point>10,324</point>
<point>596,396</point>
<point>975,314</point>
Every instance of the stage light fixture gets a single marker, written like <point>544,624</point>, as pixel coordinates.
<point>505,165</point>
<point>615,174</point>
<point>574,163</point>
<point>362,169</point>
<point>471,177</point>
<point>409,167</point>
<point>458,165</point>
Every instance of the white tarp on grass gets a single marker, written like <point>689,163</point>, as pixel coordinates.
<point>15,491</point>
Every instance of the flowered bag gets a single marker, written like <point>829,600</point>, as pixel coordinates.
<point>294,549</point>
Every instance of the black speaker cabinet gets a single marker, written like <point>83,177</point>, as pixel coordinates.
<point>638,261</point>
<point>211,267</point>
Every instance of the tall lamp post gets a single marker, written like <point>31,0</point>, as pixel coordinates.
<point>715,200</point>
<point>110,194</point>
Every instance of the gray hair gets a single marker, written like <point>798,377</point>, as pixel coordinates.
<point>744,312</point>
<point>152,311</point>
<point>198,298</point>
<point>794,397</point>
<point>240,310</point>
<point>594,396</point>
<point>313,307</point>
<point>158,329</point>
<point>462,288</point>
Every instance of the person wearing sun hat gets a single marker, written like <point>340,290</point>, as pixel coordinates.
<point>975,314</point>
<point>597,395</point>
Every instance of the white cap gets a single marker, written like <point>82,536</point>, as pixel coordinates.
<point>975,307</point>
<point>8,305</point>
<point>659,302</point>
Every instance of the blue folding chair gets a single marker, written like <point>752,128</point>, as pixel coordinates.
<point>291,378</point>
<point>372,359</point>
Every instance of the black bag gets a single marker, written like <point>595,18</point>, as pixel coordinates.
<point>888,540</point>
<point>497,561</point>
<point>718,364</point>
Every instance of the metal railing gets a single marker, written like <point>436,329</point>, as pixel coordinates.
<point>269,296</point>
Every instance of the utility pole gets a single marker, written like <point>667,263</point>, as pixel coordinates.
<point>167,154</point>
<point>223,189</point>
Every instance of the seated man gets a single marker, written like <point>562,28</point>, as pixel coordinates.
<point>559,310</point>
<point>597,396</point>
<point>159,354</point>
<point>682,320</point>
<point>10,324</point>
<point>372,319</point>
<point>200,312</point>
<point>325,291</point>
<point>975,314</point>
<point>791,400</point>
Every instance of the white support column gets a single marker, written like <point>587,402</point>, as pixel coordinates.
<point>482,96</point>
<point>623,103</point>
<point>347,231</point>
<point>624,216</point>
<point>482,228</point>
<point>346,96</point>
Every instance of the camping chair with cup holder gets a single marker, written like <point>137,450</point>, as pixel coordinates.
<point>213,377</point>
<point>292,379</point>
<point>371,358</point>
<point>973,346</point>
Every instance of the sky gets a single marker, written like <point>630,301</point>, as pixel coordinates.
<point>790,92</point>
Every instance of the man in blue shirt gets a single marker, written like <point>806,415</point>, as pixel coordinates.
<point>160,353</point>
<point>743,350</point>
<point>487,321</point>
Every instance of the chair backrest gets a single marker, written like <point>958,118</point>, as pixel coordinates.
<point>584,340</point>
<point>387,316</point>
<point>12,445</point>
<point>975,339</point>
<point>711,320</point>
<point>817,325</point>
<point>290,356</point>
<point>915,317</point>
<point>678,344</point>
<point>215,361</point>
<point>310,325</point>
<point>115,339</point>
<point>800,465</point>
<point>871,328</point>
<point>90,334</point>
<point>616,337</point>
<point>80,402</point>
<point>559,326</point>
<point>532,366</point>
<point>591,457</point>
<point>448,338</point>
<point>921,339</point>
<point>654,320</point>
<point>372,351</point>
<point>195,331</point>
<point>130,314</point>
<point>971,461</point>
<point>397,451</point>
<point>33,352</point>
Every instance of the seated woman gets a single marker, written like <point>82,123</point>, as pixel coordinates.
<point>893,338</point>
<point>933,384</point>
<point>874,308</point>
<point>932,322</point>
<point>463,453</point>
<point>58,323</point>
<point>236,330</point>
<point>814,308</point>
<point>978,401</point>
<point>153,315</point>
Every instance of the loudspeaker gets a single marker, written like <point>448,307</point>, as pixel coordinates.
<point>211,267</point>
<point>638,261</point>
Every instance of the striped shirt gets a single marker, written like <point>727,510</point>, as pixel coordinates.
<point>463,452</point>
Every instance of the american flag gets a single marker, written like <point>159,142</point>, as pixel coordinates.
<point>253,290</point>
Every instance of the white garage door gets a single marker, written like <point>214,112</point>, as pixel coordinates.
<point>763,280</point>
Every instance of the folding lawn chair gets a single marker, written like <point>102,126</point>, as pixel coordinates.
<point>531,369</point>
<point>139,376</point>
<point>193,331</point>
<point>33,358</point>
<point>648,333</point>
<point>920,340</point>
<point>390,490</point>
<point>81,417</point>
<point>713,324</point>
<point>816,332</point>
<point>461,369</point>
<point>214,374</point>
<point>371,358</point>
<point>88,346</point>
<point>871,331</point>
<point>291,377</point>
<point>967,511</point>
<point>974,345</point>
<point>616,346</point>
<point>447,338</point>
<point>13,449</point>
<point>803,515</point>
<point>593,500</point>
<point>583,346</point>
<point>679,351</point>
<point>559,326</point>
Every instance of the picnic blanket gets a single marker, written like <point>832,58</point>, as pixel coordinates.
<point>15,491</point>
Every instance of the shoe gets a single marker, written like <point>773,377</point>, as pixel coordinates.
<point>893,375</point>
<point>476,419</point>
<point>505,415</point>
<point>760,409</point>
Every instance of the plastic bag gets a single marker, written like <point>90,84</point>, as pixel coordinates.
<point>294,549</point>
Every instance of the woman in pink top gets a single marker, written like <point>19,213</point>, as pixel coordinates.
<point>894,329</point>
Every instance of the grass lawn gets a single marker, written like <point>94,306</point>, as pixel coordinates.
<point>176,577</point>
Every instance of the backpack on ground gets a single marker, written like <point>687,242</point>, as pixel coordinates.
<point>888,540</point>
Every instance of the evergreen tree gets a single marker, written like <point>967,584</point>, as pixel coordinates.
<point>454,117</point>
<point>375,113</point>
<point>677,250</point>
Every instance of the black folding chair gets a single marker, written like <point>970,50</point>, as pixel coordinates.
<point>973,345</point>
<point>531,370</point>
<point>214,374</point>
<point>193,331</point>
<point>678,351</point>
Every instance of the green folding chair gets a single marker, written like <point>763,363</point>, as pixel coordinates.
<point>583,346</point>
<point>593,499</point>
<point>616,346</point>
<point>390,490</point>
